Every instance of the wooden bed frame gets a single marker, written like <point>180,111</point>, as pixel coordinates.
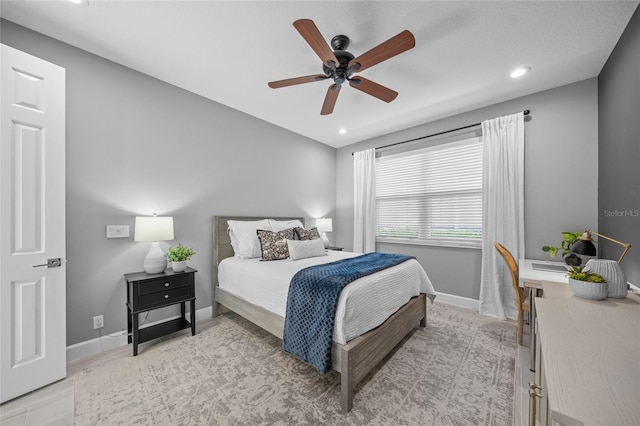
<point>352,360</point>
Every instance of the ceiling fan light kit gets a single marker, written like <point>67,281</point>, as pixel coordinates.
<point>339,65</point>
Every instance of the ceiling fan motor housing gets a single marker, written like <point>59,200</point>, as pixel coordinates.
<point>341,73</point>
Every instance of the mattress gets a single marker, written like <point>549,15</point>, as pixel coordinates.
<point>363,304</point>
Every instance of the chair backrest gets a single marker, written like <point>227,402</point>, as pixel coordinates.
<point>513,267</point>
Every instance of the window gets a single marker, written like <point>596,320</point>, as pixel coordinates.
<point>431,195</point>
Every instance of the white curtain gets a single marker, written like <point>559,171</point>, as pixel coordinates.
<point>364,191</point>
<point>502,211</point>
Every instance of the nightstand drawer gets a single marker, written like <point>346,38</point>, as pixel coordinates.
<point>164,297</point>
<point>164,284</point>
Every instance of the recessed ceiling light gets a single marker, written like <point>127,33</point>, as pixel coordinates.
<point>342,131</point>
<point>83,3</point>
<point>519,72</point>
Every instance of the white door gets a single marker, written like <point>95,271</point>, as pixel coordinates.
<point>32,224</point>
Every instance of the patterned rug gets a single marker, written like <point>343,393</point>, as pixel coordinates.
<point>459,370</point>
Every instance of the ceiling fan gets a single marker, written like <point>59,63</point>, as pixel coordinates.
<point>339,65</point>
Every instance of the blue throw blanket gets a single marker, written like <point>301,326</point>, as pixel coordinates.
<point>313,299</point>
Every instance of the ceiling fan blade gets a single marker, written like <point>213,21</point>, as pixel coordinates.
<point>373,89</point>
<point>330,99</point>
<point>297,80</point>
<point>388,49</point>
<point>312,36</point>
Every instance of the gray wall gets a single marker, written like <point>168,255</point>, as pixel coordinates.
<point>619,150</point>
<point>135,146</point>
<point>561,137</point>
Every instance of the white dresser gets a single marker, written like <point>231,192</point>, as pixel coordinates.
<point>588,359</point>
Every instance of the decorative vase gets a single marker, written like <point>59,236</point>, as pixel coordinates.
<point>587,290</point>
<point>610,270</point>
<point>179,266</point>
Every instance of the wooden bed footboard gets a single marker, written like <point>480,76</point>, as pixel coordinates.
<point>355,359</point>
<point>358,357</point>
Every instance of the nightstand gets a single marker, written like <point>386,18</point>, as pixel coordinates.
<point>335,248</point>
<point>146,292</point>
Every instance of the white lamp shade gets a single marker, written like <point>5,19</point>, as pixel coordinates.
<point>324,225</point>
<point>153,228</point>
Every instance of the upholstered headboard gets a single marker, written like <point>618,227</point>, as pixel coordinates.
<point>222,243</point>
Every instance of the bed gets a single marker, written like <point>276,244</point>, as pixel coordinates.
<point>353,358</point>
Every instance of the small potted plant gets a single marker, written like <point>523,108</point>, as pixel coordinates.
<point>178,257</point>
<point>587,284</point>
<point>568,238</point>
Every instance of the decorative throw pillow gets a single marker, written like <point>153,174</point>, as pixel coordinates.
<point>301,249</point>
<point>274,244</point>
<point>307,234</point>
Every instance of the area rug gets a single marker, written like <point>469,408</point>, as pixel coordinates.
<point>459,370</point>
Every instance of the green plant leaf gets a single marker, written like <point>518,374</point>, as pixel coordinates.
<point>180,253</point>
<point>577,273</point>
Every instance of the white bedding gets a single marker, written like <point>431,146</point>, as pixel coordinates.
<point>363,305</point>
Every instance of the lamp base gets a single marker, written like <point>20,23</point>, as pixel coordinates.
<point>325,240</point>
<point>155,261</point>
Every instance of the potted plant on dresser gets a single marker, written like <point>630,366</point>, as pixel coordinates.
<point>587,284</point>
<point>178,257</point>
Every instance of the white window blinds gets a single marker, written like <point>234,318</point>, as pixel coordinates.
<point>431,195</point>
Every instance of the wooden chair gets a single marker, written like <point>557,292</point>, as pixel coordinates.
<point>521,300</point>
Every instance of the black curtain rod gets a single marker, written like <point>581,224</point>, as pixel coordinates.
<point>525,112</point>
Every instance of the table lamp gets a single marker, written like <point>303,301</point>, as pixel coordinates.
<point>154,229</point>
<point>324,225</point>
<point>585,246</point>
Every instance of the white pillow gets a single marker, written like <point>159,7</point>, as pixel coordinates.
<point>301,249</point>
<point>281,225</point>
<point>244,238</point>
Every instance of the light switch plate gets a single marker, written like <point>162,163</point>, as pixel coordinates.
<point>117,231</point>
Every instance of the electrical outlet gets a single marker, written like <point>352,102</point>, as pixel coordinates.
<point>98,322</point>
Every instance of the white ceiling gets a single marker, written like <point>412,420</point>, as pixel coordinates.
<point>228,51</point>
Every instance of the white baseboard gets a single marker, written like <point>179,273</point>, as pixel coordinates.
<point>459,301</point>
<point>114,340</point>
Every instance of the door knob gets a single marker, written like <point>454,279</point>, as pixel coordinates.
<point>51,263</point>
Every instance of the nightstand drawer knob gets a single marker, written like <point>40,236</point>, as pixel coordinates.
<point>166,284</point>
<point>166,296</point>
